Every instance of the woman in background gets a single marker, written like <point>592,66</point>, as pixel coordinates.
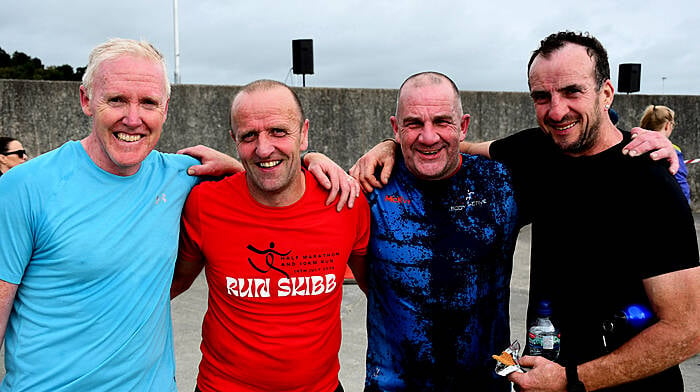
<point>661,118</point>
<point>11,154</point>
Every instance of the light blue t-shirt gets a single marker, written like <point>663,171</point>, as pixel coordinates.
<point>93,254</point>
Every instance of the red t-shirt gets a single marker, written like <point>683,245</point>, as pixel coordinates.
<point>275,278</point>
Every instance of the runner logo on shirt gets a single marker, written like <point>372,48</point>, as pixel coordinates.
<point>288,285</point>
<point>269,259</point>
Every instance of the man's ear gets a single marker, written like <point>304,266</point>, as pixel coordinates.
<point>304,136</point>
<point>395,126</point>
<point>608,92</point>
<point>463,126</point>
<point>165,112</point>
<point>85,101</point>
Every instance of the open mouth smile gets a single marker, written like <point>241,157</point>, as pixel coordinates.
<point>564,128</point>
<point>125,137</point>
<point>268,164</point>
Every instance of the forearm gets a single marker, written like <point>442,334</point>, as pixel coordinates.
<point>475,148</point>
<point>185,274</point>
<point>655,349</point>
<point>358,266</point>
<point>7,298</point>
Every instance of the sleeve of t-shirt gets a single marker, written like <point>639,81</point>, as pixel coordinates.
<point>666,229</point>
<point>516,152</point>
<point>363,223</point>
<point>190,231</point>
<point>16,226</point>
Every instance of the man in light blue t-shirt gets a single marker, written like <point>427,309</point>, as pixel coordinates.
<point>88,240</point>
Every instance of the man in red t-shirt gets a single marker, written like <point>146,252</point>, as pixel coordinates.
<point>274,256</point>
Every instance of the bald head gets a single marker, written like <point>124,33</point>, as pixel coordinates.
<point>262,86</point>
<point>423,79</point>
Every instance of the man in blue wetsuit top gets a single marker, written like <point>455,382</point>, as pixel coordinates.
<point>442,239</point>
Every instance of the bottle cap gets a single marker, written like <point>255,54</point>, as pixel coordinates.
<point>638,316</point>
<point>545,309</point>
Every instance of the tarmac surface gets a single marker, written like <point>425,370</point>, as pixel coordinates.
<point>188,310</point>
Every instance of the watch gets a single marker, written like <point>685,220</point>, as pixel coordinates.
<point>573,384</point>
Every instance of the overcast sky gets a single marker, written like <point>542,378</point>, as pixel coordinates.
<point>482,45</point>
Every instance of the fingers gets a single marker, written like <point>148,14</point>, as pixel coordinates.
<point>194,170</point>
<point>386,171</point>
<point>527,361</point>
<point>347,193</point>
<point>335,180</point>
<point>321,177</point>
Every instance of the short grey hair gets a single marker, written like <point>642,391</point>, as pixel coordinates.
<point>116,47</point>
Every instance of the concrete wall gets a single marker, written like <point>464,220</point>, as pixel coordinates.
<point>344,122</point>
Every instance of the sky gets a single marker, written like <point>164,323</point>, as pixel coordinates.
<point>482,46</point>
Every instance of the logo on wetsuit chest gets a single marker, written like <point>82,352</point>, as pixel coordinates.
<point>469,201</point>
<point>397,199</point>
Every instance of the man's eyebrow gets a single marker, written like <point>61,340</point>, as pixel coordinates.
<point>410,119</point>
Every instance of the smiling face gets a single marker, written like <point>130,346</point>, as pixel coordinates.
<point>429,126</point>
<point>569,105</point>
<point>128,104</point>
<point>270,136</point>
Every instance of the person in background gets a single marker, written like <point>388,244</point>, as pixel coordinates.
<point>662,119</point>
<point>11,154</point>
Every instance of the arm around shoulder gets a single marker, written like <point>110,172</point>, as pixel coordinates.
<point>482,148</point>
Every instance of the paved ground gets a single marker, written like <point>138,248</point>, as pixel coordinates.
<point>188,310</point>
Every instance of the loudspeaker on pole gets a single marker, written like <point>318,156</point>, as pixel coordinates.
<point>628,78</point>
<point>303,56</point>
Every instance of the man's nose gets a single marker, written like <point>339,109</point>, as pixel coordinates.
<point>558,109</point>
<point>429,135</point>
<point>132,117</point>
<point>264,146</point>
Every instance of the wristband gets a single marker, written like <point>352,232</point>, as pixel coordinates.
<point>573,384</point>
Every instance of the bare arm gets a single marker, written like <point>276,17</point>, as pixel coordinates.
<point>185,273</point>
<point>661,148</point>
<point>214,163</point>
<point>476,148</point>
<point>7,298</point>
<point>332,177</point>
<point>358,265</point>
<point>675,298</point>
<point>384,155</point>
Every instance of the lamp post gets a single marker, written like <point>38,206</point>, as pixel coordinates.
<point>663,80</point>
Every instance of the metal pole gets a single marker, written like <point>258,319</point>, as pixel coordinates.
<point>663,82</point>
<point>177,44</point>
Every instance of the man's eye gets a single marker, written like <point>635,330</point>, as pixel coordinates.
<point>248,137</point>
<point>149,103</point>
<point>540,98</point>
<point>279,132</point>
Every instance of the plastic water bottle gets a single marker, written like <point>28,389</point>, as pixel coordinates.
<point>625,324</point>
<point>543,336</point>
